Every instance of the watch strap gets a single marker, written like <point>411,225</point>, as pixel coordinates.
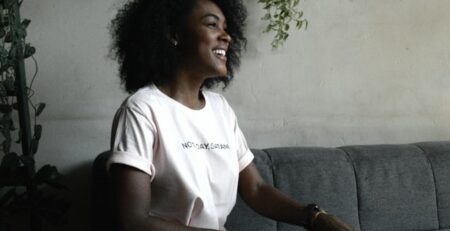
<point>313,211</point>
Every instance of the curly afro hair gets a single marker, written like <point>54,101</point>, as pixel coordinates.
<point>142,47</point>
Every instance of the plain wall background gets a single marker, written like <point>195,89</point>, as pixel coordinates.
<point>364,72</point>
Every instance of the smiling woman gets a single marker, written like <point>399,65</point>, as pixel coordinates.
<point>204,42</point>
<point>144,40</point>
<point>178,157</point>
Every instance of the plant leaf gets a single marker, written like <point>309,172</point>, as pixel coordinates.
<point>26,22</point>
<point>3,56</point>
<point>5,108</point>
<point>12,51</point>
<point>49,174</point>
<point>40,108</point>
<point>266,16</point>
<point>2,33</point>
<point>9,84</point>
<point>8,3</point>
<point>19,139</point>
<point>27,160</point>
<point>21,32</point>
<point>10,161</point>
<point>11,123</point>
<point>7,197</point>
<point>29,51</point>
<point>6,144</point>
<point>283,13</point>
<point>34,145</point>
<point>37,131</point>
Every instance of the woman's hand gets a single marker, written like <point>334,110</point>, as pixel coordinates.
<point>326,222</point>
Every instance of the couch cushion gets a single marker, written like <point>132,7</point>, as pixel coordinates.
<point>396,188</point>
<point>439,155</point>
<point>317,175</point>
<point>242,217</point>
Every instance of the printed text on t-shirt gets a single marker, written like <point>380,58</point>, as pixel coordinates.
<point>205,146</point>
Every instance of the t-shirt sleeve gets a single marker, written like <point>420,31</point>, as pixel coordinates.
<point>132,139</point>
<point>245,155</point>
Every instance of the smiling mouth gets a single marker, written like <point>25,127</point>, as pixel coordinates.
<point>221,53</point>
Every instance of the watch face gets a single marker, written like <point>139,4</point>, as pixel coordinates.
<point>313,208</point>
<point>316,208</point>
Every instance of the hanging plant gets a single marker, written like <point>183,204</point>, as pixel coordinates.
<point>281,15</point>
<point>25,194</point>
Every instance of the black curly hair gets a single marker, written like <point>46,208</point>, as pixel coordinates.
<point>141,44</point>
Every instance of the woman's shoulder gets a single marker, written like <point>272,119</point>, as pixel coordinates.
<point>217,100</point>
<point>142,98</point>
<point>214,97</point>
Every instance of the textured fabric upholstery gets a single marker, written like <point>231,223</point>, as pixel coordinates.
<point>396,188</point>
<point>320,175</point>
<point>439,155</point>
<point>372,187</point>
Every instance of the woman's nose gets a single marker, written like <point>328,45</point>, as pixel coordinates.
<point>225,36</point>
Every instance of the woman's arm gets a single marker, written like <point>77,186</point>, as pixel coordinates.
<point>132,200</point>
<point>268,201</point>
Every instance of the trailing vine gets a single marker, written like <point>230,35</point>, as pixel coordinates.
<point>24,192</point>
<point>280,16</point>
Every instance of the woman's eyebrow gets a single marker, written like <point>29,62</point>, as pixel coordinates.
<point>210,15</point>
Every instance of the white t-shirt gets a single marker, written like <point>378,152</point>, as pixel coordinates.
<point>193,156</point>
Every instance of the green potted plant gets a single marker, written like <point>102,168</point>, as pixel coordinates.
<point>27,195</point>
<point>280,16</point>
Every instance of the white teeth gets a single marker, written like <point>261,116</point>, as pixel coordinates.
<point>219,52</point>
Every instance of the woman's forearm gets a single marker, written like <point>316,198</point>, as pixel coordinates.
<point>271,203</point>
<point>268,201</point>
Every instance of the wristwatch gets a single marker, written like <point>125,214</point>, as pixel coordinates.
<point>313,211</point>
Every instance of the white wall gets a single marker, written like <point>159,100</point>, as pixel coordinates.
<point>364,72</point>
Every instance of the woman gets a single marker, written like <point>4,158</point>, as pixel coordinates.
<point>178,155</point>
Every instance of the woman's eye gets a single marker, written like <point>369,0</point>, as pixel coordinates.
<point>212,25</point>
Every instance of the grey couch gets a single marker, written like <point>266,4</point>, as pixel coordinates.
<point>372,187</point>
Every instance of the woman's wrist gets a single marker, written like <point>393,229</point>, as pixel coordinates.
<point>315,218</point>
<point>313,211</point>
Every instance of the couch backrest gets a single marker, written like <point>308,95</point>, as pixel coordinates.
<point>372,187</point>
<point>438,153</point>
<point>102,208</point>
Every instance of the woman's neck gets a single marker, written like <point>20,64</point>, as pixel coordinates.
<point>187,93</point>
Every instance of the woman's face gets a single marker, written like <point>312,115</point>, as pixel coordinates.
<point>205,42</point>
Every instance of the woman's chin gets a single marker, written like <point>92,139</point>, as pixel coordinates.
<point>223,72</point>
<point>220,74</point>
<point>224,75</point>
